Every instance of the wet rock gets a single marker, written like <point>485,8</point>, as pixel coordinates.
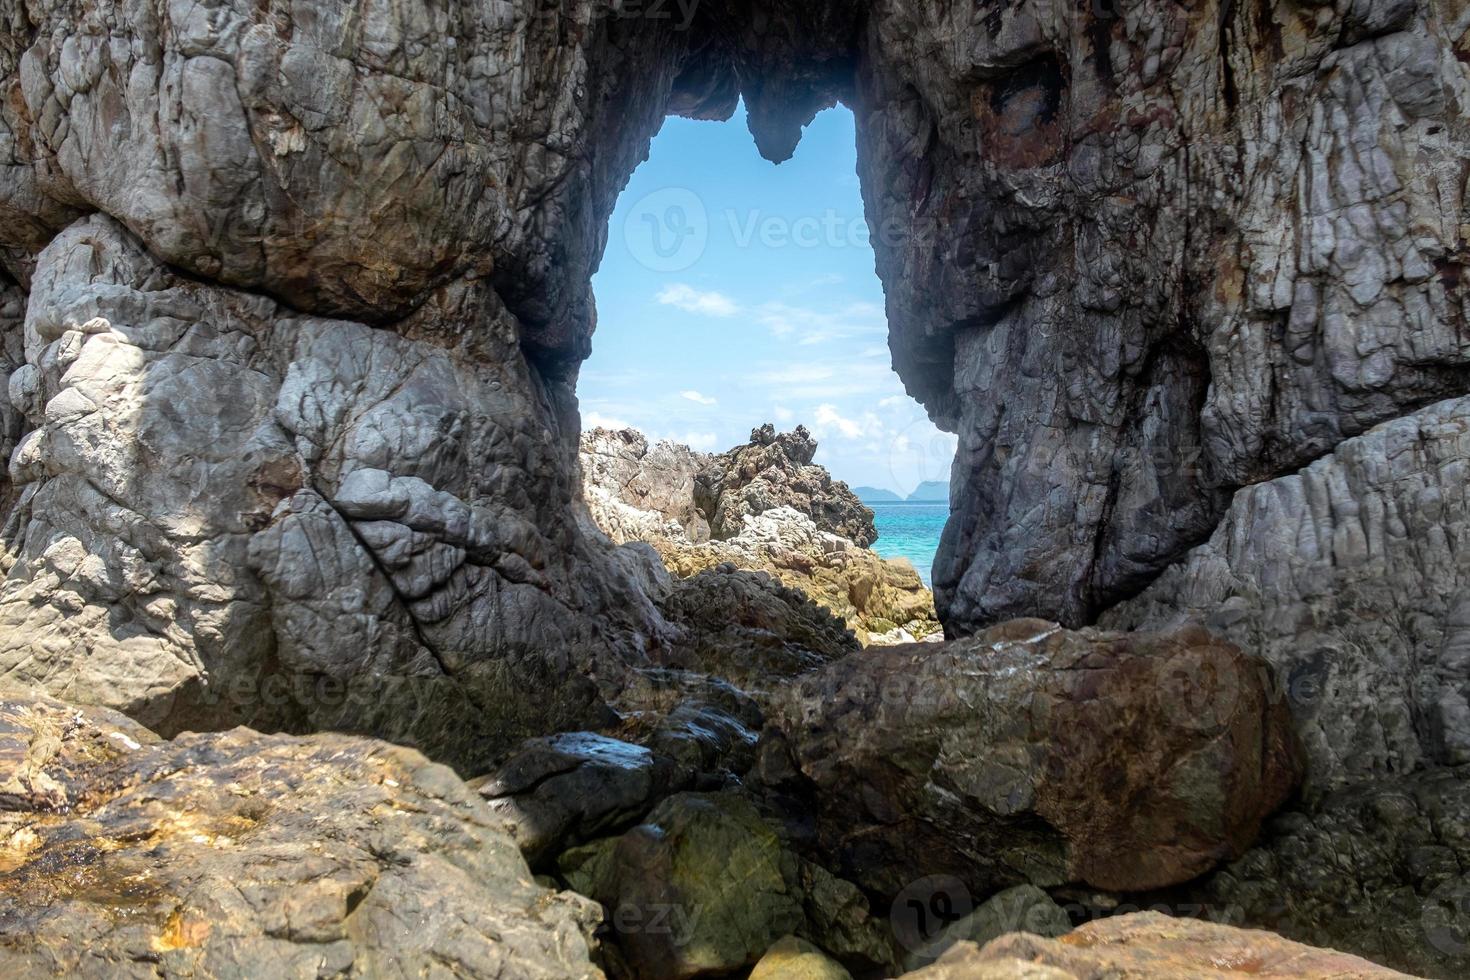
<point>999,759</point>
<point>567,789</point>
<point>1148,944</point>
<point>266,855</point>
<point>705,885</point>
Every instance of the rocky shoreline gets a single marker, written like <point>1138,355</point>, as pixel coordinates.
<point>763,506</point>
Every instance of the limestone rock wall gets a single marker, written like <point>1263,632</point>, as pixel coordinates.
<point>1350,577</point>
<point>229,511</point>
<point>1140,254</point>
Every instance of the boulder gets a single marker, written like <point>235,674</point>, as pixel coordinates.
<point>566,789</point>
<point>705,885</point>
<point>791,958</point>
<point>1034,754</point>
<point>1024,908</point>
<point>241,854</point>
<point>1149,945</point>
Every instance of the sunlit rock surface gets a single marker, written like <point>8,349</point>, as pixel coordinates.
<point>772,511</point>
<point>239,854</point>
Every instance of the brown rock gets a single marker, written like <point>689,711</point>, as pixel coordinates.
<point>1031,753</point>
<point>1149,945</point>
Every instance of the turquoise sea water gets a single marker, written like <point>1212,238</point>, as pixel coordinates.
<point>910,531</point>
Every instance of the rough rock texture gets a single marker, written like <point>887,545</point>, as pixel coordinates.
<point>240,854</point>
<point>704,885</point>
<point>791,958</point>
<point>567,789</point>
<point>1147,945</point>
<point>1141,253</point>
<point>789,521</point>
<point>1378,868</point>
<point>995,759</point>
<point>634,490</point>
<point>233,513</point>
<point>775,469</point>
<point>1024,908</point>
<point>749,629</point>
<point>307,286</point>
<point>872,595</point>
<point>1350,577</point>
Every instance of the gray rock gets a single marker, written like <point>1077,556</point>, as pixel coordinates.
<point>1377,868</point>
<point>233,513</point>
<point>567,789</point>
<point>1024,908</point>
<point>634,490</point>
<point>1349,577</point>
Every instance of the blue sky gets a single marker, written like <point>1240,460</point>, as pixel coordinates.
<point>734,292</point>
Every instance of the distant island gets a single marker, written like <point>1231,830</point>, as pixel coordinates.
<point>928,492</point>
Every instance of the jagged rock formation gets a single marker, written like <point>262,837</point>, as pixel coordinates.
<point>635,490</point>
<point>233,513</point>
<point>775,470</point>
<point>788,517</point>
<point>1351,578</point>
<point>880,599</point>
<point>241,854</point>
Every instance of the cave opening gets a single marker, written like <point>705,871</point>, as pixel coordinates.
<point>733,293</point>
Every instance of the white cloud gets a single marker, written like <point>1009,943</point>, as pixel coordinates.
<point>819,326</point>
<point>704,303</point>
<point>782,414</point>
<point>698,398</point>
<point>828,419</point>
<point>596,420</point>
